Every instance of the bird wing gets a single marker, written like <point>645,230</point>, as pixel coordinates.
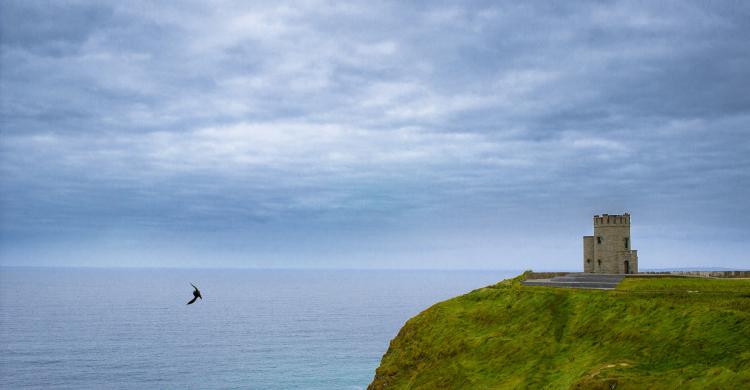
<point>192,300</point>
<point>196,288</point>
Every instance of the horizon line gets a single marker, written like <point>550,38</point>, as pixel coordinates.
<point>126,267</point>
<point>262,268</point>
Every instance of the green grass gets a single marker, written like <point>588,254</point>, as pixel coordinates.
<point>686,285</point>
<point>656,333</point>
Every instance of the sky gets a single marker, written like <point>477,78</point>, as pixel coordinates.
<point>393,134</point>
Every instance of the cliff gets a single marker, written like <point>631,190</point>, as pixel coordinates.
<point>648,333</point>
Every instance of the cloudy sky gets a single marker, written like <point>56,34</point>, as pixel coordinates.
<point>372,135</point>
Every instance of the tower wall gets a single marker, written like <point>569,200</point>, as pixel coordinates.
<point>612,245</point>
<point>588,254</point>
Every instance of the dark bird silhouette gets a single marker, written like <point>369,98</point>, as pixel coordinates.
<point>196,294</point>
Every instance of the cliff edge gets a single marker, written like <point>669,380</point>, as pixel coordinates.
<point>648,333</point>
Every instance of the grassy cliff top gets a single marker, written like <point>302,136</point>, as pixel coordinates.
<point>648,333</point>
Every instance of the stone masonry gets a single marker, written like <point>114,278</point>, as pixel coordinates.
<point>609,251</point>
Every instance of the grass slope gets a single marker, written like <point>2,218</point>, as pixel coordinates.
<point>655,333</point>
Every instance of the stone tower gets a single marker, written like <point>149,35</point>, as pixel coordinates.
<point>609,251</point>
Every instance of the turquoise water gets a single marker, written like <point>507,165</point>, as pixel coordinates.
<point>77,328</point>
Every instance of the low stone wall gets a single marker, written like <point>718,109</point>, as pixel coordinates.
<point>653,274</point>
<point>544,275</point>
<point>703,274</point>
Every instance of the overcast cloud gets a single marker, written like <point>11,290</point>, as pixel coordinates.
<point>359,135</point>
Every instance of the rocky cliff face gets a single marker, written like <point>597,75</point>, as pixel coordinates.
<point>649,333</point>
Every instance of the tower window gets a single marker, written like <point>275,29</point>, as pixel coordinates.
<point>600,262</point>
<point>598,239</point>
<point>627,242</point>
<point>588,261</point>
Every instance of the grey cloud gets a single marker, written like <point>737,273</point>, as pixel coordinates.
<point>50,28</point>
<point>356,118</point>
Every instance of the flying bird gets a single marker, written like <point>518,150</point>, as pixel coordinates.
<point>196,294</point>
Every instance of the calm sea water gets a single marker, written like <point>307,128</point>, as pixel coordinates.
<point>79,328</point>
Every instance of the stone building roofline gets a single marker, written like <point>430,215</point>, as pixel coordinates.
<point>615,219</point>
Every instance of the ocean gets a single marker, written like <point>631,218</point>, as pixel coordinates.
<point>94,328</point>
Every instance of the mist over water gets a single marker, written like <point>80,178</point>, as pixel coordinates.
<point>74,328</point>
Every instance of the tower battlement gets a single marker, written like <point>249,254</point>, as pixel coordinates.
<point>612,220</point>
